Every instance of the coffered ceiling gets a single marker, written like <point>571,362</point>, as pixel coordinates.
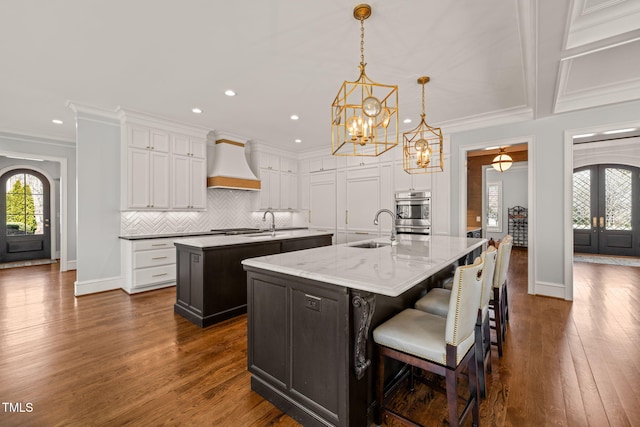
<point>489,61</point>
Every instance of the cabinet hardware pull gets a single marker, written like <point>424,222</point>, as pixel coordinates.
<point>361,232</point>
<point>346,217</point>
<point>158,244</point>
<point>159,257</point>
<point>158,275</point>
<point>309,221</point>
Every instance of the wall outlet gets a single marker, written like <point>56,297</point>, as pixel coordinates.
<point>478,219</point>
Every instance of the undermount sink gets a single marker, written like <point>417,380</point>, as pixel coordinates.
<point>265,234</point>
<point>370,245</point>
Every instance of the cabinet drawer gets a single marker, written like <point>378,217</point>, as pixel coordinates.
<point>153,275</point>
<point>145,245</point>
<point>144,259</point>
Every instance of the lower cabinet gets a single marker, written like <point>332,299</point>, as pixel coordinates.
<point>148,264</point>
<point>212,284</point>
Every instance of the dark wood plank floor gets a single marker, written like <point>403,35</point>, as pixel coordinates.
<point>115,359</point>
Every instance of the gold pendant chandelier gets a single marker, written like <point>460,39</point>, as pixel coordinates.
<point>422,146</point>
<point>364,114</point>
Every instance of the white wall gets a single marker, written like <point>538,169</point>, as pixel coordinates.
<point>514,193</point>
<point>548,163</point>
<point>63,153</point>
<point>98,186</point>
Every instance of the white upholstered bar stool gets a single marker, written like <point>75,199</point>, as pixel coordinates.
<point>436,344</point>
<point>436,301</point>
<point>499,301</point>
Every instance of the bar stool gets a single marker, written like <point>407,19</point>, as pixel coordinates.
<point>436,301</point>
<point>499,301</point>
<point>444,346</point>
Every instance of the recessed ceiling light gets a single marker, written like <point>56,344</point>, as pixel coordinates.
<point>583,135</point>
<point>609,132</point>
<point>229,92</point>
<point>297,141</point>
<point>56,121</point>
<point>406,121</point>
<point>294,117</point>
<point>196,110</point>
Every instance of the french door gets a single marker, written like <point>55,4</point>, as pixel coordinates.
<point>25,232</point>
<point>606,216</point>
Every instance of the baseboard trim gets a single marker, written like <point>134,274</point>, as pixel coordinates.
<point>69,265</point>
<point>99,285</point>
<point>549,289</point>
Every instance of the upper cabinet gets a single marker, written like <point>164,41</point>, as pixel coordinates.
<point>278,177</point>
<point>163,166</point>
<point>321,164</point>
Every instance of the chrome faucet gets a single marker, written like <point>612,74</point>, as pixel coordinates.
<point>273,221</point>
<point>393,224</point>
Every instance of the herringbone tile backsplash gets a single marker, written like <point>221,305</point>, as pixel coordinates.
<point>225,209</point>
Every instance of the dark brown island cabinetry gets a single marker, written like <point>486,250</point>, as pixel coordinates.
<point>211,283</point>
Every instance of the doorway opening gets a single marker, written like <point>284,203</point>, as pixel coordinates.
<point>25,232</point>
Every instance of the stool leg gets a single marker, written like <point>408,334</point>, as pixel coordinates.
<point>486,342</point>
<point>473,390</point>
<point>497,314</point>
<point>452,397</point>
<point>379,388</point>
<point>506,303</point>
<point>479,351</point>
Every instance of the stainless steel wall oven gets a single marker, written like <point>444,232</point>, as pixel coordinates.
<point>413,212</point>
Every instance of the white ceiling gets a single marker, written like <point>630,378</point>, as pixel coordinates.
<point>488,60</point>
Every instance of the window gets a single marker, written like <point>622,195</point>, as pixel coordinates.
<point>24,205</point>
<point>494,207</point>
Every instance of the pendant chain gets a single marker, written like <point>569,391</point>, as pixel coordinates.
<point>362,42</point>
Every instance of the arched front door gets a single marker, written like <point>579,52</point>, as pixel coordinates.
<point>606,210</point>
<point>25,231</point>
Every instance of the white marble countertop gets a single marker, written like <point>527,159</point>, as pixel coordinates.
<point>242,239</point>
<point>387,270</point>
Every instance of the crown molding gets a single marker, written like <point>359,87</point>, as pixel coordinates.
<point>38,139</point>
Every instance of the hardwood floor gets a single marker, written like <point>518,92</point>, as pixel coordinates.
<point>115,359</point>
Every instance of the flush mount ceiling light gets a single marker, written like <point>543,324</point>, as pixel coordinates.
<point>422,146</point>
<point>364,114</point>
<point>502,161</point>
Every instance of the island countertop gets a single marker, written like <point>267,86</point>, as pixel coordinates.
<point>385,270</point>
<point>242,239</point>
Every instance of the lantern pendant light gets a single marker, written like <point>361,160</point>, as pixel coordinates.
<point>364,114</point>
<point>422,146</point>
<point>502,161</point>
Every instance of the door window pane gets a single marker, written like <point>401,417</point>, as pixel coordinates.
<point>618,199</point>
<point>582,200</point>
<point>494,207</point>
<point>24,205</point>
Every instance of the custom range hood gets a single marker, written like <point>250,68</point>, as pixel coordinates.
<point>228,167</point>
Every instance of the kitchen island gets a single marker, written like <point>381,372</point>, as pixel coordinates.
<point>211,284</point>
<point>311,316</point>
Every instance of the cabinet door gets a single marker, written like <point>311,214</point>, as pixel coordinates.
<point>198,148</point>
<point>401,179</point>
<point>315,165</point>
<point>139,137</point>
<point>198,183</point>
<point>138,179</point>
<point>180,144</point>
<point>363,202</point>
<point>274,190</point>
<point>160,180</point>
<point>180,183</point>
<point>265,188</point>
<point>285,191</point>
<point>322,204</point>
<point>304,192</point>
<point>159,140</point>
<point>293,191</point>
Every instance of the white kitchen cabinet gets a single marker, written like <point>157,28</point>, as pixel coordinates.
<point>288,191</point>
<point>184,145</point>
<point>341,200</point>
<point>269,189</point>
<point>288,165</point>
<point>303,192</point>
<point>362,199</point>
<point>269,161</point>
<point>163,166</point>
<point>188,186</point>
<point>322,201</point>
<point>404,181</point>
<point>147,179</point>
<point>148,264</point>
<point>321,164</point>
